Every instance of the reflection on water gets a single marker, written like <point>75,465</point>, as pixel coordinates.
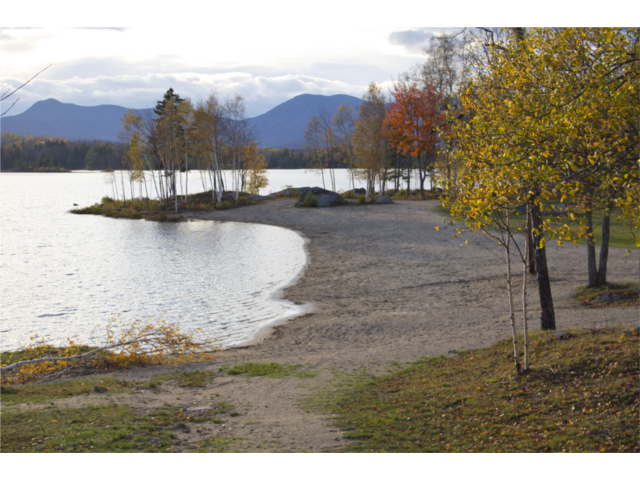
<point>62,274</point>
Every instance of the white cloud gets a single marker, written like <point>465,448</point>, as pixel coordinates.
<point>134,67</point>
<point>142,91</point>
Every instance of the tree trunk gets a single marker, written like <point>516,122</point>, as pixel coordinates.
<point>529,239</point>
<point>591,246</point>
<point>604,246</point>
<point>548,317</point>
<point>514,333</point>
<point>527,248</point>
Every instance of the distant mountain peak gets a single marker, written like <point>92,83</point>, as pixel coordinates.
<point>282,126</point>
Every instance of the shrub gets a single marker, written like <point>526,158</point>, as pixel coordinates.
<point>161,217</point>
<point>402,192</point>
<point>311,200</point>
<point>121,345</point>
<point>362,199</point>
<point>106,200</point>
<point>223,205</point>
<point>348,194</point>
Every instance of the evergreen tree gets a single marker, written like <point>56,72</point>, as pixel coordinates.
<point>169,95</point>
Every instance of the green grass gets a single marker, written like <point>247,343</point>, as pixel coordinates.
<point>628,293</point>
<point>107,428</point>
<point>271,370</point>
<point>621,234</point>
<point>183,379</point>
<point>581,395</point>
<point>104,428</point>
<point>16,394</point>
<point>132,209</point>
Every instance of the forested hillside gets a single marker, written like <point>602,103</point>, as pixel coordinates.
<point>52,154</point>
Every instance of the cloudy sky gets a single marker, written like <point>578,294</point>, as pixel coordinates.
<point>133,67</point>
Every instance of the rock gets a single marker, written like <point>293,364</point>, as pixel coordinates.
<point>384,200</point>
<point>197,409</point>
<point>99,389</point>
<point>289,192</point>
<point>630,332</point>
<point>258,198</point>
<point>357,191</point>
<point>559,335</point>
<point>615,297</point>
<point>605,297</point>
<point>332,198</point>
<point>324,200</point>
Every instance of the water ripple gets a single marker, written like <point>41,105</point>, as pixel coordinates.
<point>62,274</point>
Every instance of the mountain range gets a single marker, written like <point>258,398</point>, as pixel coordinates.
<point>282,126</point>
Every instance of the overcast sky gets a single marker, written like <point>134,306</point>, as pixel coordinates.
<point>133,67</point>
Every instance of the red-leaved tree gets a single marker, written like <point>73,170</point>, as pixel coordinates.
<point>412,121</point>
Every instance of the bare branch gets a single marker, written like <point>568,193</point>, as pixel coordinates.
<point>10,93</point>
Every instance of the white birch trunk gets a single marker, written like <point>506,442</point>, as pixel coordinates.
<point>514,333</point>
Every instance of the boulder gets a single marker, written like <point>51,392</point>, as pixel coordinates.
<point>325,200</point>
<point>605,297</point>
<point>357,191</point>
<point>559,335</point>
<point>289,192</point>
<point>329,198</point>
<point>99,389</point>
<point>258,198</point>
<point>384,200</point>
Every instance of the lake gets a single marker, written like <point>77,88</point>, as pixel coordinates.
<point>63,274</point>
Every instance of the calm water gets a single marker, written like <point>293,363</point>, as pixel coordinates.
<point>61,274</point>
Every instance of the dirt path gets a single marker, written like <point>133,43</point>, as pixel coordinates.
<point>383,286</point>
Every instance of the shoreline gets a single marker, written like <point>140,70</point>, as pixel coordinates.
<point>385,289</point>
<point>296,310</point>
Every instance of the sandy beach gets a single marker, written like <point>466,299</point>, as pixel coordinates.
<point>382,285</point>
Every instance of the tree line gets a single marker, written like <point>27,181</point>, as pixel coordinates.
<point>49,154</point>
<point>395,135</point>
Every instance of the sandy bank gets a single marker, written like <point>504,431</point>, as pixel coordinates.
<point>385,285</point>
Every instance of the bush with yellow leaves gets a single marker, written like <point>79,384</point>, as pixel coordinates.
<point>120,345</point>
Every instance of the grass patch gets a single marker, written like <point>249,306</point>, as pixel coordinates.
<point>619,295</point>
<point>581,395</point>
<point>621,234</point>
<point>15,394</point>
<point>103,428</point>
<point>271,370</point>
<point>154,209</point>
<point>107,428</point>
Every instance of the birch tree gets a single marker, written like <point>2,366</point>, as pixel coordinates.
<point>209,135</point>
<point>320,136</point>
<point>368,139</point>
<point>343,127</point>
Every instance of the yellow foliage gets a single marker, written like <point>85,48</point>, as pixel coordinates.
<point>120,345</point>
<point>552,103</point>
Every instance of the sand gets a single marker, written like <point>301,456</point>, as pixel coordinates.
<point>381,286</point>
